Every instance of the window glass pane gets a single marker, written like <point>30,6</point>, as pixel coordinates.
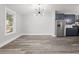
<point>9,23</point>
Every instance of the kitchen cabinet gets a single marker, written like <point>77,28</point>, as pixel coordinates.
<point>59,16</point>
<point>70,18</point>
<point>72,31</point>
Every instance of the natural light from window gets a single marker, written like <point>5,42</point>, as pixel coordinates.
<point>10,21</point>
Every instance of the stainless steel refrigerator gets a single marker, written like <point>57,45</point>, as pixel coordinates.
<point>60,28</point>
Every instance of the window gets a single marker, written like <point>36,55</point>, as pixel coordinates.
<point>10,21</point>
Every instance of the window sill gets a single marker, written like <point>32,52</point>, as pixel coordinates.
<point>10,33</point>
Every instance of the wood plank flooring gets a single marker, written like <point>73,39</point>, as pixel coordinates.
<point>42,44</point>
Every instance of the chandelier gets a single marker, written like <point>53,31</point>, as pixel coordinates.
<point>39,9</point>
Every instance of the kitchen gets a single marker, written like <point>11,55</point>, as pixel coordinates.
<point>67,24</point>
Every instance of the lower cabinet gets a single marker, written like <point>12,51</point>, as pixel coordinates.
<point>71,32</point>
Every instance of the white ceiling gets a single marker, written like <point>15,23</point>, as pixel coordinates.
<point>27,8</point>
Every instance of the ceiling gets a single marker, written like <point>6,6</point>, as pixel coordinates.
<point>28,8</point>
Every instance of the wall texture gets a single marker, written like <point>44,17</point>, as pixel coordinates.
<point>3,37</point>
<point>39,25</point>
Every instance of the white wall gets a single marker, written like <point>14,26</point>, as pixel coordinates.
<point>39,25</point>
<point>3,37</point>
<point>27,24</point>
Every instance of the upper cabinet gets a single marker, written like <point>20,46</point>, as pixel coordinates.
<point>69,18</point>
<point>59,16</point>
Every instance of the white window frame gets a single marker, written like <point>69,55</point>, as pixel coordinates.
<point>7,10</point>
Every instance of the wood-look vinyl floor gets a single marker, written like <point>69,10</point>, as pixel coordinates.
<point>42,44</point>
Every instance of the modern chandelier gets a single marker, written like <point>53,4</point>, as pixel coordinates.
<point>38,9</point>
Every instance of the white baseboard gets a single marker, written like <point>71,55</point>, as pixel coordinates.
<point>36,34</point>
<point>40,34</point>
<point>8,41</point>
